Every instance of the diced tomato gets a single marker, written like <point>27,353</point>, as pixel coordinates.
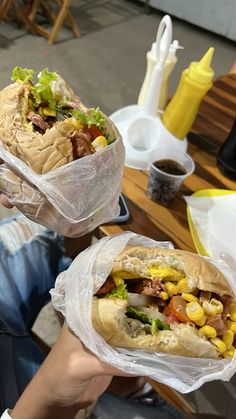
<point>95,132</point>
<point>171,319</point>
<point>166,311</point>
<point>178,308</point>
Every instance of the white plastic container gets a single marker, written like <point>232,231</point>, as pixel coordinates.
<point>167,70</point>
<point>142,134</point>
<point>140,125</point>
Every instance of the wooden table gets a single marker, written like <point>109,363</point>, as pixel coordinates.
<point>213,123</point>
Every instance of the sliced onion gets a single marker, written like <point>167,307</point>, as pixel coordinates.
<point>139,300</point>
<point>153,313</point>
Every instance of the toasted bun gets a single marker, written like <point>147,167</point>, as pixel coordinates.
<point>41,152</point>
<point>200,273</point>
<point>110,321</point>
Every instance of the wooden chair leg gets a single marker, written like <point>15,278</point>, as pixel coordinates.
<point>33,9</point>
<point>71,22</point>
<point>49,11</point>
<point>4,9</point>
<point>59,21</point>
<point>52,16</point>
<point>171,396</point>
<point>24,18</point>
<point>73,25</point>
<point>30,16</point>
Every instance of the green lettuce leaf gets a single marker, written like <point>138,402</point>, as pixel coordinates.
<point>23,74</point>
<point>42,91</point>
<point>45,77</point>
<point>43,94</point>
<point>119,292</point>
<point>96,118</point>
<point>93,117</point>
<point>136,313</point>
<point>80,116</point>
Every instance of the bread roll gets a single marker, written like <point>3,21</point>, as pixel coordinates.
<point>109,314</point>
<point>41,152</point>
<point>200,273</point>
<point>110,321</point>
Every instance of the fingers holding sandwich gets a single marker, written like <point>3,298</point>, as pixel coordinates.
<point>4,201</point>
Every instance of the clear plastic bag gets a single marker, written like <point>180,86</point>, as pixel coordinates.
<point>72,199</point>
<point>73,294</point>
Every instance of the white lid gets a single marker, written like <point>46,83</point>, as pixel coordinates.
<point>172,51</point>
<point>173,48</point>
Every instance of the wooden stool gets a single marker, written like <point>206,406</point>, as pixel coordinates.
<point>57,20</point>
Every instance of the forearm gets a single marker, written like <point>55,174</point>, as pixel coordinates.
<point>37,411</point>
<point>38,403</point>
<point>70,379</point>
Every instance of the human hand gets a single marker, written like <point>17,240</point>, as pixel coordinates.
<point>71,378</point>
<point>3,199</point>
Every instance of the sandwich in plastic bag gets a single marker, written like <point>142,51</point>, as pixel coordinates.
<point>63,162</point>
<point>151,310</point>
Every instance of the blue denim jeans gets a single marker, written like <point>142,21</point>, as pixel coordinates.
<point>30,259</point>
<point>149,407</point>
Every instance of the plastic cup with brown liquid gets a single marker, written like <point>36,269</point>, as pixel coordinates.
<point>167,170</point>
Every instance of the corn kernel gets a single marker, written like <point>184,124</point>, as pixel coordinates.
<point>202,321</point>
<point>229,353</point>
<point>231,325</point>
<point>189,297</point>
<point>209,309</point>
<point>171,288</point>
<point>75,123</point>
<point>164,295</point>
<point>228,338</point>
<point>49,112</point>
<point>29,126</point>
<point>218,305</point>
<point>40,111</point>
<point>99,143</point>
<point>118,280</point>
<point>232,311</point>
<point>194,311</point>
<point>183,285</point>
<point>220,345</point>
<point>208,331</point>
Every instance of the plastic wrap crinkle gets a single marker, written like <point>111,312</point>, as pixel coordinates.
<point>72,199</point>
<point>73,295</point>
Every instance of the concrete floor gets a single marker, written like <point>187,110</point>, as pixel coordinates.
<point>106,67</point>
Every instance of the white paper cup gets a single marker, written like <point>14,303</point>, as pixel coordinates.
<point>163,186</point>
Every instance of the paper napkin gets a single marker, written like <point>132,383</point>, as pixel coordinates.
<point>212,222</point>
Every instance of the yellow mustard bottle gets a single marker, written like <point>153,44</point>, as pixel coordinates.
<point>195,81</point>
